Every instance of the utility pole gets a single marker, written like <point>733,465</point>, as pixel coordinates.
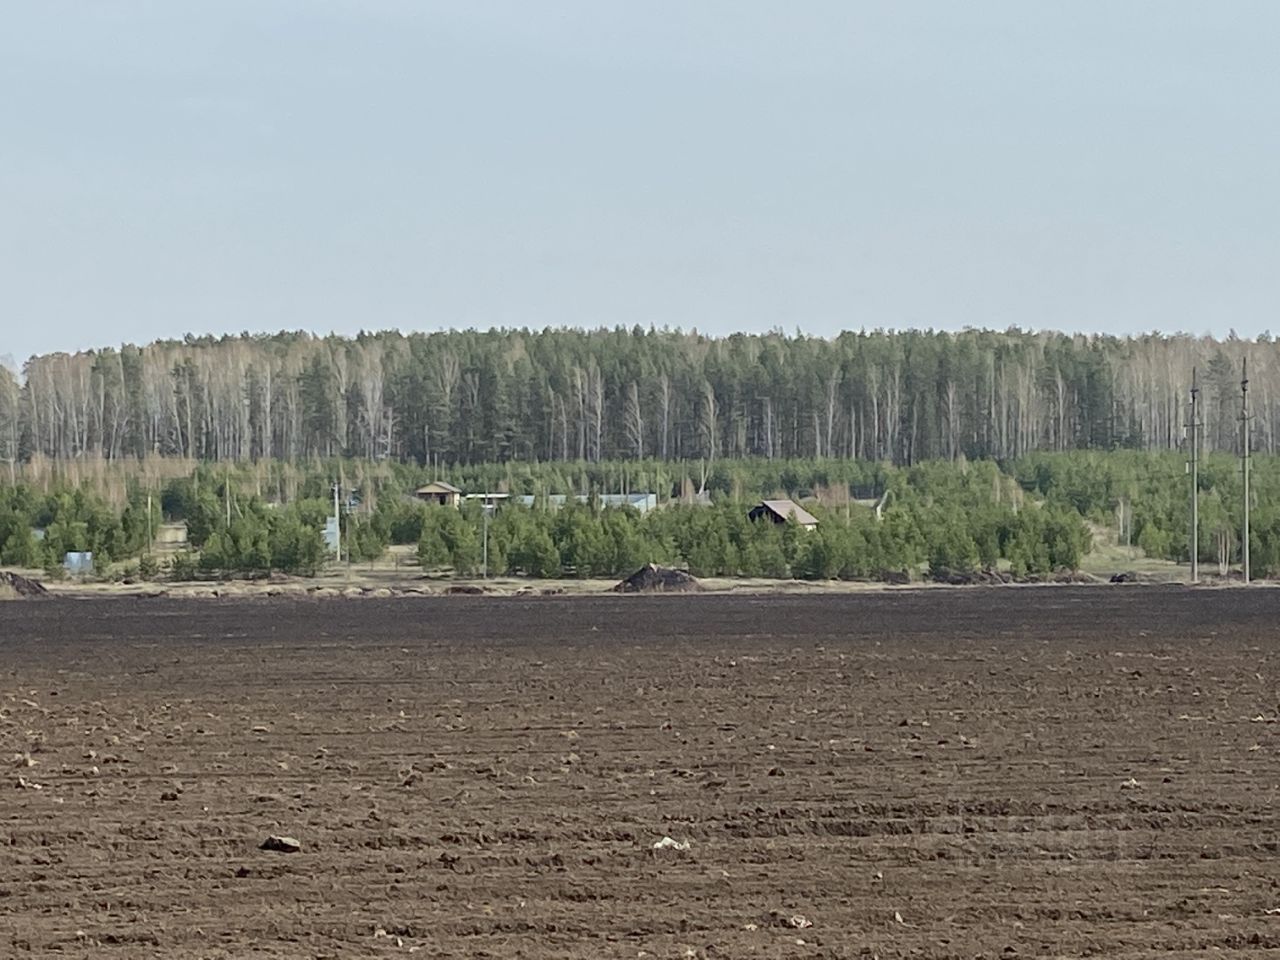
<point>484,507</point>
<point>1126,524</point>
<point>1244,456</point>
<point>1195,481</point>
<point>337,521</point>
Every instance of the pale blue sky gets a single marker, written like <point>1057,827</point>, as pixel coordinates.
<point>171,166</point>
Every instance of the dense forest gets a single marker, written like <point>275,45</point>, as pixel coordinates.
<point>469,397</point>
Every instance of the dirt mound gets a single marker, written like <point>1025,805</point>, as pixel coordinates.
<point>1061,575</point>
<point>652,578</point>
<point>22,586</point>
<point>964,578</point>
<point>1066,575</point>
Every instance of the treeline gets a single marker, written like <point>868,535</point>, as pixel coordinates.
<point>472,397</point>
<point>721,542</point>
<point>1146,498</point>
<point>937,517</point>
<point>1030,515</point>
<point>39,530</point>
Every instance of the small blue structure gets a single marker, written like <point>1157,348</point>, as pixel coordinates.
<point>78,564</point>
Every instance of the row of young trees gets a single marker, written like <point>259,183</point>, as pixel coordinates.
<point>470,397</point>
<point>1147,499</point>
<point>721,542</point>
<point>38,530</point>
<point>936,516</point>
<point>70,521</point>
<point>1032,514</point>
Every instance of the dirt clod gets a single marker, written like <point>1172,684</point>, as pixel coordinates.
<point>278,844</point>
<point>667,843</point>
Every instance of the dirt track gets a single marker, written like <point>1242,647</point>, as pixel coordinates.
<point>939,773</point>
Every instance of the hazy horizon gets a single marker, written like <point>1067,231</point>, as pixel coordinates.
<point>282,165</point>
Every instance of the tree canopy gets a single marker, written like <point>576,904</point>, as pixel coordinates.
<point>471,397</point>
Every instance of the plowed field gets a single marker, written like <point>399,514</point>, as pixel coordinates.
<point>926,773</point>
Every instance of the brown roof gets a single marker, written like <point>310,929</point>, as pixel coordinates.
<point>438,486</point>
<point>787,509</point>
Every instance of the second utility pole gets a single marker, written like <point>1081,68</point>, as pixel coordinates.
<point>1195,483</point>
<point>337,521</point>
<point>1244,454</point>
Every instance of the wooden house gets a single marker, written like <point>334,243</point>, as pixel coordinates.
<point>438,491</point>
<point>780,511</point>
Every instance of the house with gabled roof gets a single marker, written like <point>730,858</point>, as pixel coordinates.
<point>781,511</point>
<point>438,491</point>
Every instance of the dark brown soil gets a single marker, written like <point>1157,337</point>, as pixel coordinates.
<point>652,578</point>
<point>22,586</point>
<point>1017,772</point>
